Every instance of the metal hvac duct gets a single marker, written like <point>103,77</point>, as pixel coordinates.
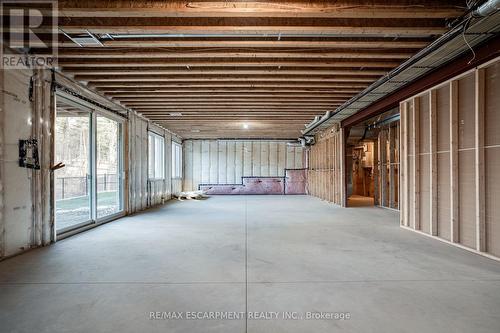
<point>446,48</point>
<point>488,8</point>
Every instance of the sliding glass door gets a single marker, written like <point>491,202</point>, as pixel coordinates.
<point>108,157</point>
<point>89,188</point>
<point>72,183</point>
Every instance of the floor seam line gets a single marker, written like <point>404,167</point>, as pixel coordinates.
<point>246,265</point>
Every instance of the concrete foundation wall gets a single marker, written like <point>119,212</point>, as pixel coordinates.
<point>227,161</point>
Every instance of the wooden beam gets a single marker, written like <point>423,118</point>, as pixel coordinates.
<point>216,115</point>
<point>479,160</point>
<point>257,31</point>
<point>454,184</point>
<point>199,120</point>
<point>80,53</point>
<point>73,63</point>
<point>187,71</point>
<point>178,78</point>
<point>173,99</point>
<point>195,9</point>
<point>304,44</point>
<point>229,103</point>
<point>232,118</point>
<point>303,85</point>
<point>218,91</point>
<point>231,108</point>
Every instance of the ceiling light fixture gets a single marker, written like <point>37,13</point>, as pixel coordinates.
<point>245,126</point>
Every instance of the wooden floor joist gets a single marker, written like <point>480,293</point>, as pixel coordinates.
<point>249,56</point>
<point>310,9</point>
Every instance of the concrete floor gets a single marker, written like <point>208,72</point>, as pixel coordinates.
<point>292,254</point>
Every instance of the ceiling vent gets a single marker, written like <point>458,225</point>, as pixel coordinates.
<point>84,40</point>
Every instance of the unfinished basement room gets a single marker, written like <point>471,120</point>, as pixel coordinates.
<point>250,166</point>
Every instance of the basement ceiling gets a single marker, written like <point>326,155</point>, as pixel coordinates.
<point>249,69</point>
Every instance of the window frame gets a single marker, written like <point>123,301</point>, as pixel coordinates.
<point>156,141</point>
<point>177,160</point>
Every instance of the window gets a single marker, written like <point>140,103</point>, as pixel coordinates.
<point>176,160</point>
<point>156,156</point>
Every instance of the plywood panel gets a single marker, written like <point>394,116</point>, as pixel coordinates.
<point>492,105</point>
<point>443,118</point>
<point>467,127</point>
<point>411,193</point>
<point>424,186</point>
<point>466,199</point>
<point>443,209</point>
<point>492,157</point>
<point>466,112</point>
<point>492,196</point>
<point>424,134</point>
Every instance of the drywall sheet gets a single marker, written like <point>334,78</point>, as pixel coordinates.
<point>227,161</point>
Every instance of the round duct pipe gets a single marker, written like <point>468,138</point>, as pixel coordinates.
<point>488,8</point>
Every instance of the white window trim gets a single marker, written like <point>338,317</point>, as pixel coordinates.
<point>156,137</point>
<point>176,160</point>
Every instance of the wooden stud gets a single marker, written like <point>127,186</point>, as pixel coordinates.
<point>454,184</point>
<point>479,160</point>
<point>404,174</point>
<point>433,163</point>
<point>376,171</point>
<point>416,163</point>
